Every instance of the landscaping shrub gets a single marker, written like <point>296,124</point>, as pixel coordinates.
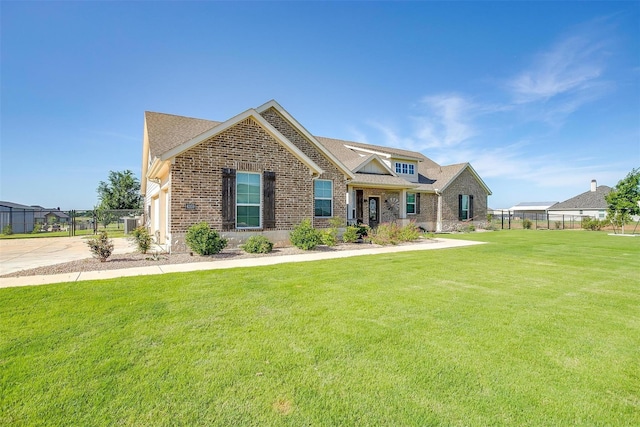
<point>257,244</point>
<point>142,239</point>
<point>7,230</point>
<point>203,240</point>
<point>527,223</point>
<point>330,235</point>
<point>593,224</point>
<point>392,233</point>
<point>409,232</point>
<point>386,234</point>
<point>351,234</point>
<point>37,228</point>
<point>304,236</point>
<point>558,225</point>
<point>101,246</point>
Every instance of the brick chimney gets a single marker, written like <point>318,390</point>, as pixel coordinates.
<point>594,185</point>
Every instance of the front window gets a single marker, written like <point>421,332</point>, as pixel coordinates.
<point>464,208</point>
<point>323,197</point>
<point>248,200</point>
<point>411,203</point>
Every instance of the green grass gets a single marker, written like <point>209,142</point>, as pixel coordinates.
<point>535,328</point>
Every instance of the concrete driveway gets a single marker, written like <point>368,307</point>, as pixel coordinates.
<point>22,254</point>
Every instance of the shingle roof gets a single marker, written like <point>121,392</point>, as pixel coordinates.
<point>382,180</point>
<point>586,200</point>
<point>167,131</point>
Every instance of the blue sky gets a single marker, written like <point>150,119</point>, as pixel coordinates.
<point>540,97</point>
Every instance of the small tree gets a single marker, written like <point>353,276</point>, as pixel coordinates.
<point>101,246</point>
<point>623,199</point>
<point>142,239</point>
<point>122,191</point>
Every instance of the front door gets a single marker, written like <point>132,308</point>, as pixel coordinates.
<point>374,211</point>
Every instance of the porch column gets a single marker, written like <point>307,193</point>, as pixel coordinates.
<point>403,204</point>
<point>439,213</point>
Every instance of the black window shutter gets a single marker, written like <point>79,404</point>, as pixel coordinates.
<point>269,202</point>
<point>471,207</point>
<point>417,203</point>
<point>460,207</point>
<point>228,199</point>
<point>359,203</point>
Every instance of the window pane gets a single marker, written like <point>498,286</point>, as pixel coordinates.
<point>411,197</point>
<point>411,171</point>
<point>248,216</point>
<point>411,208</point>
<point>322,208</point>
<point>322,189</point>
<point>398,168</point>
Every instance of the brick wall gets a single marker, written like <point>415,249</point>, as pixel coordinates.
<point>196,178</point>
<point>465,183</point>
<point>331,171</point>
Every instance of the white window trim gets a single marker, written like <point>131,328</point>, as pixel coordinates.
<point>322,198</point>
<point>249,204</point>
<point>400,166</point>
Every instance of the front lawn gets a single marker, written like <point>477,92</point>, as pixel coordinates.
<point>536,328</point>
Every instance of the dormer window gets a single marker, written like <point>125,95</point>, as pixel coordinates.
<point>405,168</point>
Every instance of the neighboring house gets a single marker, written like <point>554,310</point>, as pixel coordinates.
<point>591,203</point>
<point>50,215</point>
<point>263,172</point>
<point>531,210</point>
<point>21,218</point>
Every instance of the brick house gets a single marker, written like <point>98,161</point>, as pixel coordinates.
<point>263,172</point>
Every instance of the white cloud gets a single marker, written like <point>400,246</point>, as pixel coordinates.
<point>564,77</point>
<point>448,123</point>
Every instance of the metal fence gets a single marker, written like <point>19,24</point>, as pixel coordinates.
<point>508,220</point>
<point>75,222</point>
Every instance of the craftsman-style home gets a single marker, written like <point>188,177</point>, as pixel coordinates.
<point>263,172</point>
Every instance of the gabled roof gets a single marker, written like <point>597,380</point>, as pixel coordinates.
<point>168,131</point>
<point>167,135</point>
<point>171,143</point>
<point>586,200</point>
<point>373,158</point>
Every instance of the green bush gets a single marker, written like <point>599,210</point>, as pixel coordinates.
<point>257,244</point>
<point>392,233</point>
<point>558,225</point>
<point>37,228</point>
<point>387,233</point>
<point>527,223</point>
<point>203,240</point>
<point>101,246</point>
<point>142,239</point>
<point>330,235</point>
<point>304,236</point>
<point>7,230</point>
<point>351,234</point>
<point>409,232</point>
<point>593,224</point>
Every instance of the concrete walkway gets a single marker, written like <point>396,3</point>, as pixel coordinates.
<point>22,254</point>
<point>220,264</point>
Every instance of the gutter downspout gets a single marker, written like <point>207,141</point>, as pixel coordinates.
<point>439,212</point>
